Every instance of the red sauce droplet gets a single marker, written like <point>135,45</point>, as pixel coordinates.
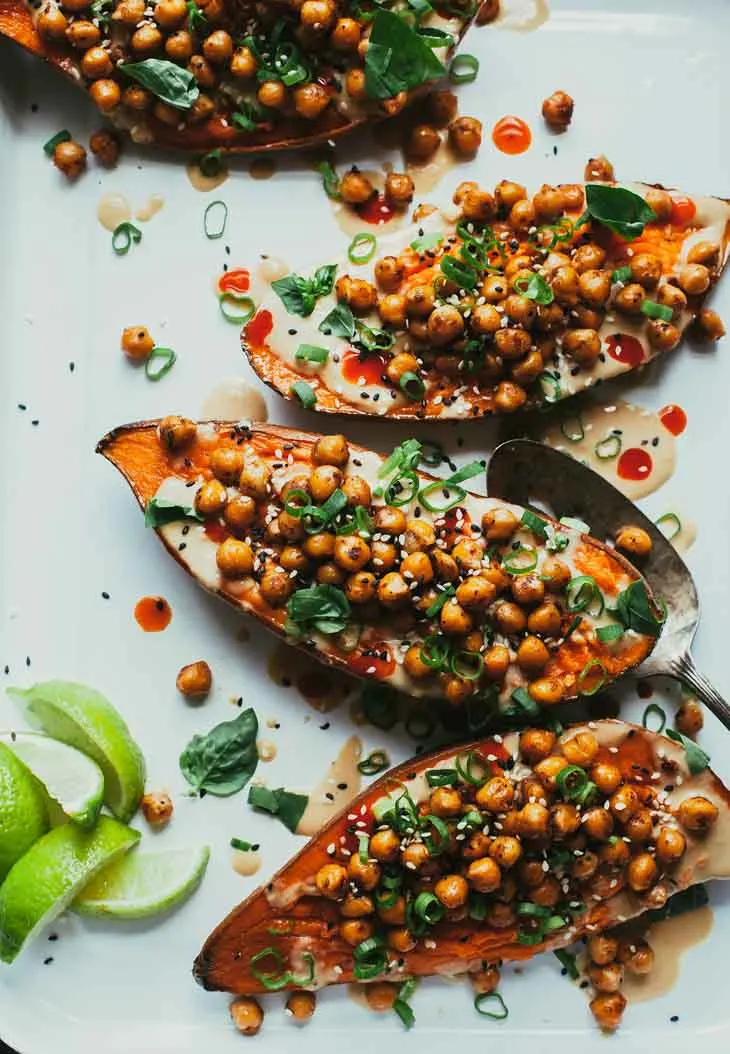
<point>258,329</point>
<point>373,665</point>
<point>369,369</point>
<point>376,210</point>
<point>673,418</point>
<point>216,531</point>
<point>153,614</point>
<point>625,349</point>
<point>644,690</point>
<point>237,282</point>
<point>511,135</point>
<point>635,464</point>
<point>683,210</point>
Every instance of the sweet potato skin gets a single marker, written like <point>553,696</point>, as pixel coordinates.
<point>136,451</point>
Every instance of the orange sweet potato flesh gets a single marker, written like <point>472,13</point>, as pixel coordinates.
<point>145,463</point>
<point>16,22</point>
<point>302,922</point>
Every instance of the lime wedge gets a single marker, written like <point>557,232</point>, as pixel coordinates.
<point>83,718</point>
<point>74,781</point>
<point>144,884</point>
<point>51,874</point>
<point>23,810</point>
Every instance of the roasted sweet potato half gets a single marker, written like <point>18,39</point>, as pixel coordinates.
<point>495,851</point>
<point>236,75</point>
<point>509,303</point>
<point>384,571</point>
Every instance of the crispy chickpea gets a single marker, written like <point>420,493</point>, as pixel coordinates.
<point>422,143</point>
<point>465,135</point>
<point>389,520</point>
<point>218,47</point>
<point>580,749</point>
<point>546,893</point>
<point>226,464</point>
<point>589,258</point>
<point>137,342</point>
<point>660,202</point>
<point>509,397</point>
<point>607,977</point>
<point>129,12</point>
<point>276,586</point>
<point>607,777</point>
<point>641,872</point>
<point>455,690</point>
<point>499,524</point>
<point>355,83</point>
<point>243,63</point>
<point>384,845</point>
<point>476,846</point>
<point>636,955</point>
<point>547,769</point>
<point>671,296</point>
<point>346,34</point>
<point>564,819</point>
<point>417,567</point>
<point>506,850</point>
<point>468,554</point>
<point>272,94</point>
<point>443,106</point>
<point>454,620</point>
<point>615,854</point>
<point>484,875</point>
<point>710,325</point>
<point>105,147</point>
<point>624,802</point>
<point>106,94</point>
<point>512,342</point>
<point>565,284</point>
<point>445,324</point>
<point>599,168</point>
<point>704,252</point>
<point>351,552</point>
<point>629,299</point>
<point>496,662</point>
<point>547,691</point>
<point>583,345</point>
<point>536,744</point>
<point>484,320</point>
<point>319,546</point>
<point>301,1005</point>
<point>602,948</point>
<point>317,14</point>
<point>557,111</point>
<point>211,499</point>
<point>598,823</point>
<point>415,856</point>
<point>356,907</point>
<point>381,995</point>
<point>548,204</point>
<point>291,557</point>
<point>528,589</point>
<point>479,206</point>
<point>361,295</point>
<point>255,477</point>
<point>494,289</point>
<point>393,590</point>
<point>444,565</point>
<point>545,620</point>
<point>585,866</point>
<point>646,269</point>
<point>311,99</point>
<point>689,718</point>
<point>247,1015</point>
<point>522,215</point>
<point>176,432</point>
<point>69,157</point>
<point>520,309</point>
<point>399,189</point>
<point>384,555</point>
<point>331,450</point>
<point>329,574</point>
<point>608,1008</point>
<point>331,881</point>
<point>476,592</point>
<point>157,808</point>
<point>136,97</point>
<point>496,795</point>
<point>697,813</point>
<point>420,300</point>
<point>357,490</point>
<point>400,939</point>
<point>366,874</point>
<point>324,481</point>
<point>146,39</point>
<point>638,828</point>
<point>445,801</point>
<point>389,272</point>
<point>287,527</point>
<point>194,680</point>
<point>594,287</point>
<point>694,279</point>
<point>508,193</point>
<point>355,188</point>
<point>532,655</point>
<point>234,558</point>
<point>52,23</point>
<point>452,891</point>
<point>83,34</point>
<point>664,336</point>
<point>361,587</point>
<point>573,195</point>
<point>634,540</point>
<point>96,63</point>
<point>510,618</point>
<point>354,931</point>
<point>169,13</point>
<point>533,820</point>
<point>392,310</point>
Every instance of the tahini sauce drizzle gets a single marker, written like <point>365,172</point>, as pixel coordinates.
<point>233,399</point>
<point>342,784</point>
<point>203,183</point>
<point>246,862</point>
<point>670,939</point>
<point>112,210</point>
<point>522,16</point>
<point>150,208</point>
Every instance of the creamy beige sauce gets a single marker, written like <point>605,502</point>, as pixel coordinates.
<point>634,426</point>
<point>522,16</point>
<point>203,183</point>
<point>262,168</point>
<point>266,750</point>
<point>233,399</point>
<point>271,269</point>
<point>338,788</point>
<point>246,862</point>
<point>112,210</point>
<point>150,208</point>
<point>670,939</point>
<point>352,223</point>
<point>429,174</point>
<point>321,688</point>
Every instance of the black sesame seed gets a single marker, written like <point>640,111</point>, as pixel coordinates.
<point>329,797</point>
<point>325,726</point>
<point>104,594</point>
<point>72,366</point>
<point>341,786</point>
<point>48,960</point>
<point>674,1018</point>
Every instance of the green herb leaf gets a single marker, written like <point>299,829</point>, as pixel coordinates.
<point>340,322</point>
<point>535,523</point>
<point>426,242</point>
<point>397,58</point>
<point>535,288</point>
<point>635,611</point>
<point>63,136</point>
<point>159,511</point>
<point>619,209</point>
<point>285,805</point>
<point>320,609</point>
<point>243,846</point>
<point>223,760</point>
<point>168,81</point>
<point>196,19</point>
<point>697,759</point>
<point>568,962</point>
<point>330,180</point>
<point>299,295</point>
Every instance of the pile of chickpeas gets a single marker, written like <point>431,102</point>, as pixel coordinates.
<point>516,337</point>
<point>498,619</point>
<point>332,42</point>
<point>532,845</point>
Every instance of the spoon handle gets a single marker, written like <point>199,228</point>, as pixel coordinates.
<point>683,669</point>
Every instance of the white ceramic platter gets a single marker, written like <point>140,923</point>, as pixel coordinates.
<point>649,79</point>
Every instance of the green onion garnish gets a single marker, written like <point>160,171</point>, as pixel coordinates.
<point>438,825</point>
<point>379,704</point>
<point>432,453</point>
<point>124,237</point>
<point>244,847</point>
<point>277,979</point>
<point>401,490</point>
<point>493,999</point>
<point>582,594</point>
<point>446,485</point>
<point>522,699</point>
<point>412,386</point>
<point>535,288</point>
<point>370,958</point>
<point>330,180</point>
<point>426,242</point>
<point>577,525</point>
<point>463,274</point>
<point>572,429</point>
<point>428,907</point>
<point>441,777</point>
<point>568,962</point>
<point>245,305</point>
<point>609,447</point>
<point>672,523</point>
<point>211,164</point>
<point>534,523</point>
<point>375,762</point>
<point>466,773</point>
<point>586,676</point>
<point>60,137</point>
<point>653,310</point>
<point>362,248</point>
<point>654,710</point>
<point>464,69</point>
<point>520,561</point>
<point>363,841</point>
<point>550,385</point>
<point>215,219</point>
<point>312,353</point>
<point>168,359</point>
<point>401,1006</point>
<point>467,665</point>
<point>607,634</point>
<point>621,274</point>
<point>305,393</point>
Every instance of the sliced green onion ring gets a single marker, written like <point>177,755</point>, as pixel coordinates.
<point>609,447</point>
<point>401,1005</point>
<point>534,523</point>
<point>211,164</point>
<point>438,825</point>
<point>441,777</point>
<point>520,561</point>
<point>432,453</point>
<point>124,237</point>
<point>522,699</point>
<point>466,772</point>
<point>397,494</point>
<point>312,353</point>
<point>370,959</point>
<point>621,274</point>
<point>467,665</point>
<point>435,650</point>
<point>585,683</point>
<point>460,272</point>
<point>362,248</point>
<point>330,180</point>
<point>464,69</point>
<point>673,523</point>
<point>570,782</point>
<point>428,907</point>
<point>168,357</point>
<point>377,761</point>
<point>243,303</point>
<point>60,137</point>
<point>412,385</point>
<point>305,393</point>
<point>654,710</point>
<point>491,999</point>
<point>215,230</point>
<point>572,428</point>
<point>582,594</point>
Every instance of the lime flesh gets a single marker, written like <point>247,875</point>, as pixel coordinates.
<point>23,810</point>
<point>144,884</point>
<point>72,779</point>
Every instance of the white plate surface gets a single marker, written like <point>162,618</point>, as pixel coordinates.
<point>648,79</point>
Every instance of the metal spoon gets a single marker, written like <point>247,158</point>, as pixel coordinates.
<point>522,471</point>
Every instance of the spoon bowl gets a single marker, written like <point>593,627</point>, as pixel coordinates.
<point>534,475</point>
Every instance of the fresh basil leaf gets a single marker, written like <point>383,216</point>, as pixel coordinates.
<point>159,511</point>
<point>168,81</point>
<point>397,58</point>
<point>427,241</point>
<point>324,279</point>
<point>369,340</point>
<point>619,209</point>
<point>635,611</point>
<point>321,609</point>
<point>340,322</point>
<point>535,288</point>
<point>568,963</point>
<point>223,760</point>
<point>680,903</point>
<point>299,295</point>
<point>697,759</point>
<point>285,805</point>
